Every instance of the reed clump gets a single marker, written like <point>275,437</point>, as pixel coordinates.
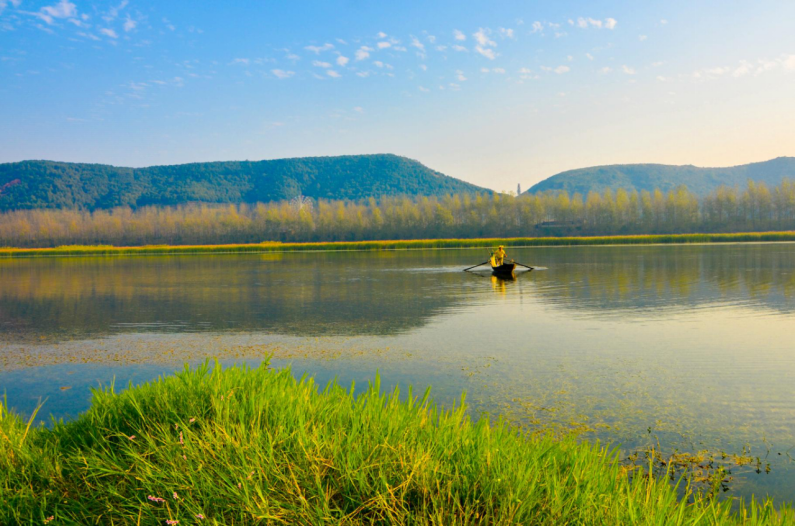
<point>257,446</point>
<point>398,245</point>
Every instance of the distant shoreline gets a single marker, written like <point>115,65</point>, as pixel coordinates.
<point>398,245</point>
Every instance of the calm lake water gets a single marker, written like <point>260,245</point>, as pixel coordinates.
<point>691,347</point>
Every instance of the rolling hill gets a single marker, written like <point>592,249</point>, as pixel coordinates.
<point>666,177</point>
<point>50,184</point>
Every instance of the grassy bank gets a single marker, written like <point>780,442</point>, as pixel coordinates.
<point>255,446</point>
<point>397,245</point>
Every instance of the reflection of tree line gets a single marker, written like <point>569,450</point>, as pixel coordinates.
<point>754,208</point>
<point>308,294</point>
<point>647,277</point>
<point>367,294</point>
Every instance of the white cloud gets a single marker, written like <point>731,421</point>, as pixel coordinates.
<point>342,61</point>
<point>113,12</point>
<point>321,64</point>
<point>381,34</point>
<point>486,52</point>
<point>431,39</point>
<point>292,56</point>
<point>63,9</point>
<point>569,58</point>
<point>459,48</point>
<point>129,24</point>
<point>626,69</point>
<point>662,79</point>
<point>459,35</point>
<point>363,52</point>
<point>537,27</point>
<point>460,75</point>
<point>484,70</point>
<point>415,42</point>
<point>482,37</point>
<point>663,21</point>
<point>506,32</point>
<point>382,45</point>
<point>4,4</point>
<point>441,48</point>
<point>590,57</point>
<point>562,69</point>
<point>585,23</point>
<point>642,37</point>
<point>423,67</point>
<point>242,61</point>
<point>498,70</point>
<point>108,32</point>
<point>606,70</point>
<point>332,73</point>
<point>358,109</point>
<point>789,62</point>
<point>281,74</point>
<point>363,73</point>
<point>423,89</point>
<point>378,63</point>
<point>317,49</point>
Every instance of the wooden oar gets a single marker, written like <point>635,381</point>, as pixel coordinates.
<point>478,265</point>
<point>523,265</point>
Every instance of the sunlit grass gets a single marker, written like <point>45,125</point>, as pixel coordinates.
<point>396,245</point>
<point>241,446</point>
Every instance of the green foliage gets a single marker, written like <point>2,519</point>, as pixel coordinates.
<point>50,184</point>
<point>666,177</point>
<point>241,446</point>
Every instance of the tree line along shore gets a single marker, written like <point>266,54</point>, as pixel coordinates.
<point>551,214</point>
<point>258,446</point>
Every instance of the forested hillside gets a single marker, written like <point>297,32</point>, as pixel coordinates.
<point>50,184</point>
<point>700,181</point>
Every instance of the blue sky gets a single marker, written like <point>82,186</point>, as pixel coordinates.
<point>495,93</point>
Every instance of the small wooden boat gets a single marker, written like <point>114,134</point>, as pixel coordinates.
<point>504,269</point>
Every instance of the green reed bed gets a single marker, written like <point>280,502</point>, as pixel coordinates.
<point>396,245</point>
<point>256,446</point>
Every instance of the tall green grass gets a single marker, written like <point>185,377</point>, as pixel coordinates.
<point>242,446</point>
<point>396,245</point>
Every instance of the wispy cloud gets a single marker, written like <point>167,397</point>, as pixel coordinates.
<point>317,49</point>
<point>342,61</point>
<point>332,73</point>
<point>321,64</point>
<point>585,23</point>
<point>363,52</point>
<point>243,61</point>
<point>626,69</point>
<point>459,35</point>
<point>108,32</point>
<point>129,24</point>
<point>485,45</point>
<point>282,74</point>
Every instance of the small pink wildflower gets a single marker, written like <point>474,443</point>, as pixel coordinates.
<point>192,419</point>
<point>200,516</point>
<point>175,495</point>
<point>131,438</point>
<point>250,474</point>
<point>240,485</point>
<point>155,499</point>
<point>48,519</point>
<point>184,457</point>
<point>172,522</point>
<point>181,442</point>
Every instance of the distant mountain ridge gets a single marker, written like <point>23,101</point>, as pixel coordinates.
<point>640,177</point>
<point>51,184</point>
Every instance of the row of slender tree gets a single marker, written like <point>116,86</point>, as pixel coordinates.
<point>757,207</point>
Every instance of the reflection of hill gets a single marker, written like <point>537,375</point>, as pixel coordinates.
<point>636,280</point>
<point>313,294</point>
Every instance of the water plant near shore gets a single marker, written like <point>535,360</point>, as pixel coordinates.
<point>398,245</point>
<point>257,446</point>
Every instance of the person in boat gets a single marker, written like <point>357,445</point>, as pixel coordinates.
<point>499,255</point>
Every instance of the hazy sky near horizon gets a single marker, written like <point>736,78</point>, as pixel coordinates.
<point>495,93</point>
